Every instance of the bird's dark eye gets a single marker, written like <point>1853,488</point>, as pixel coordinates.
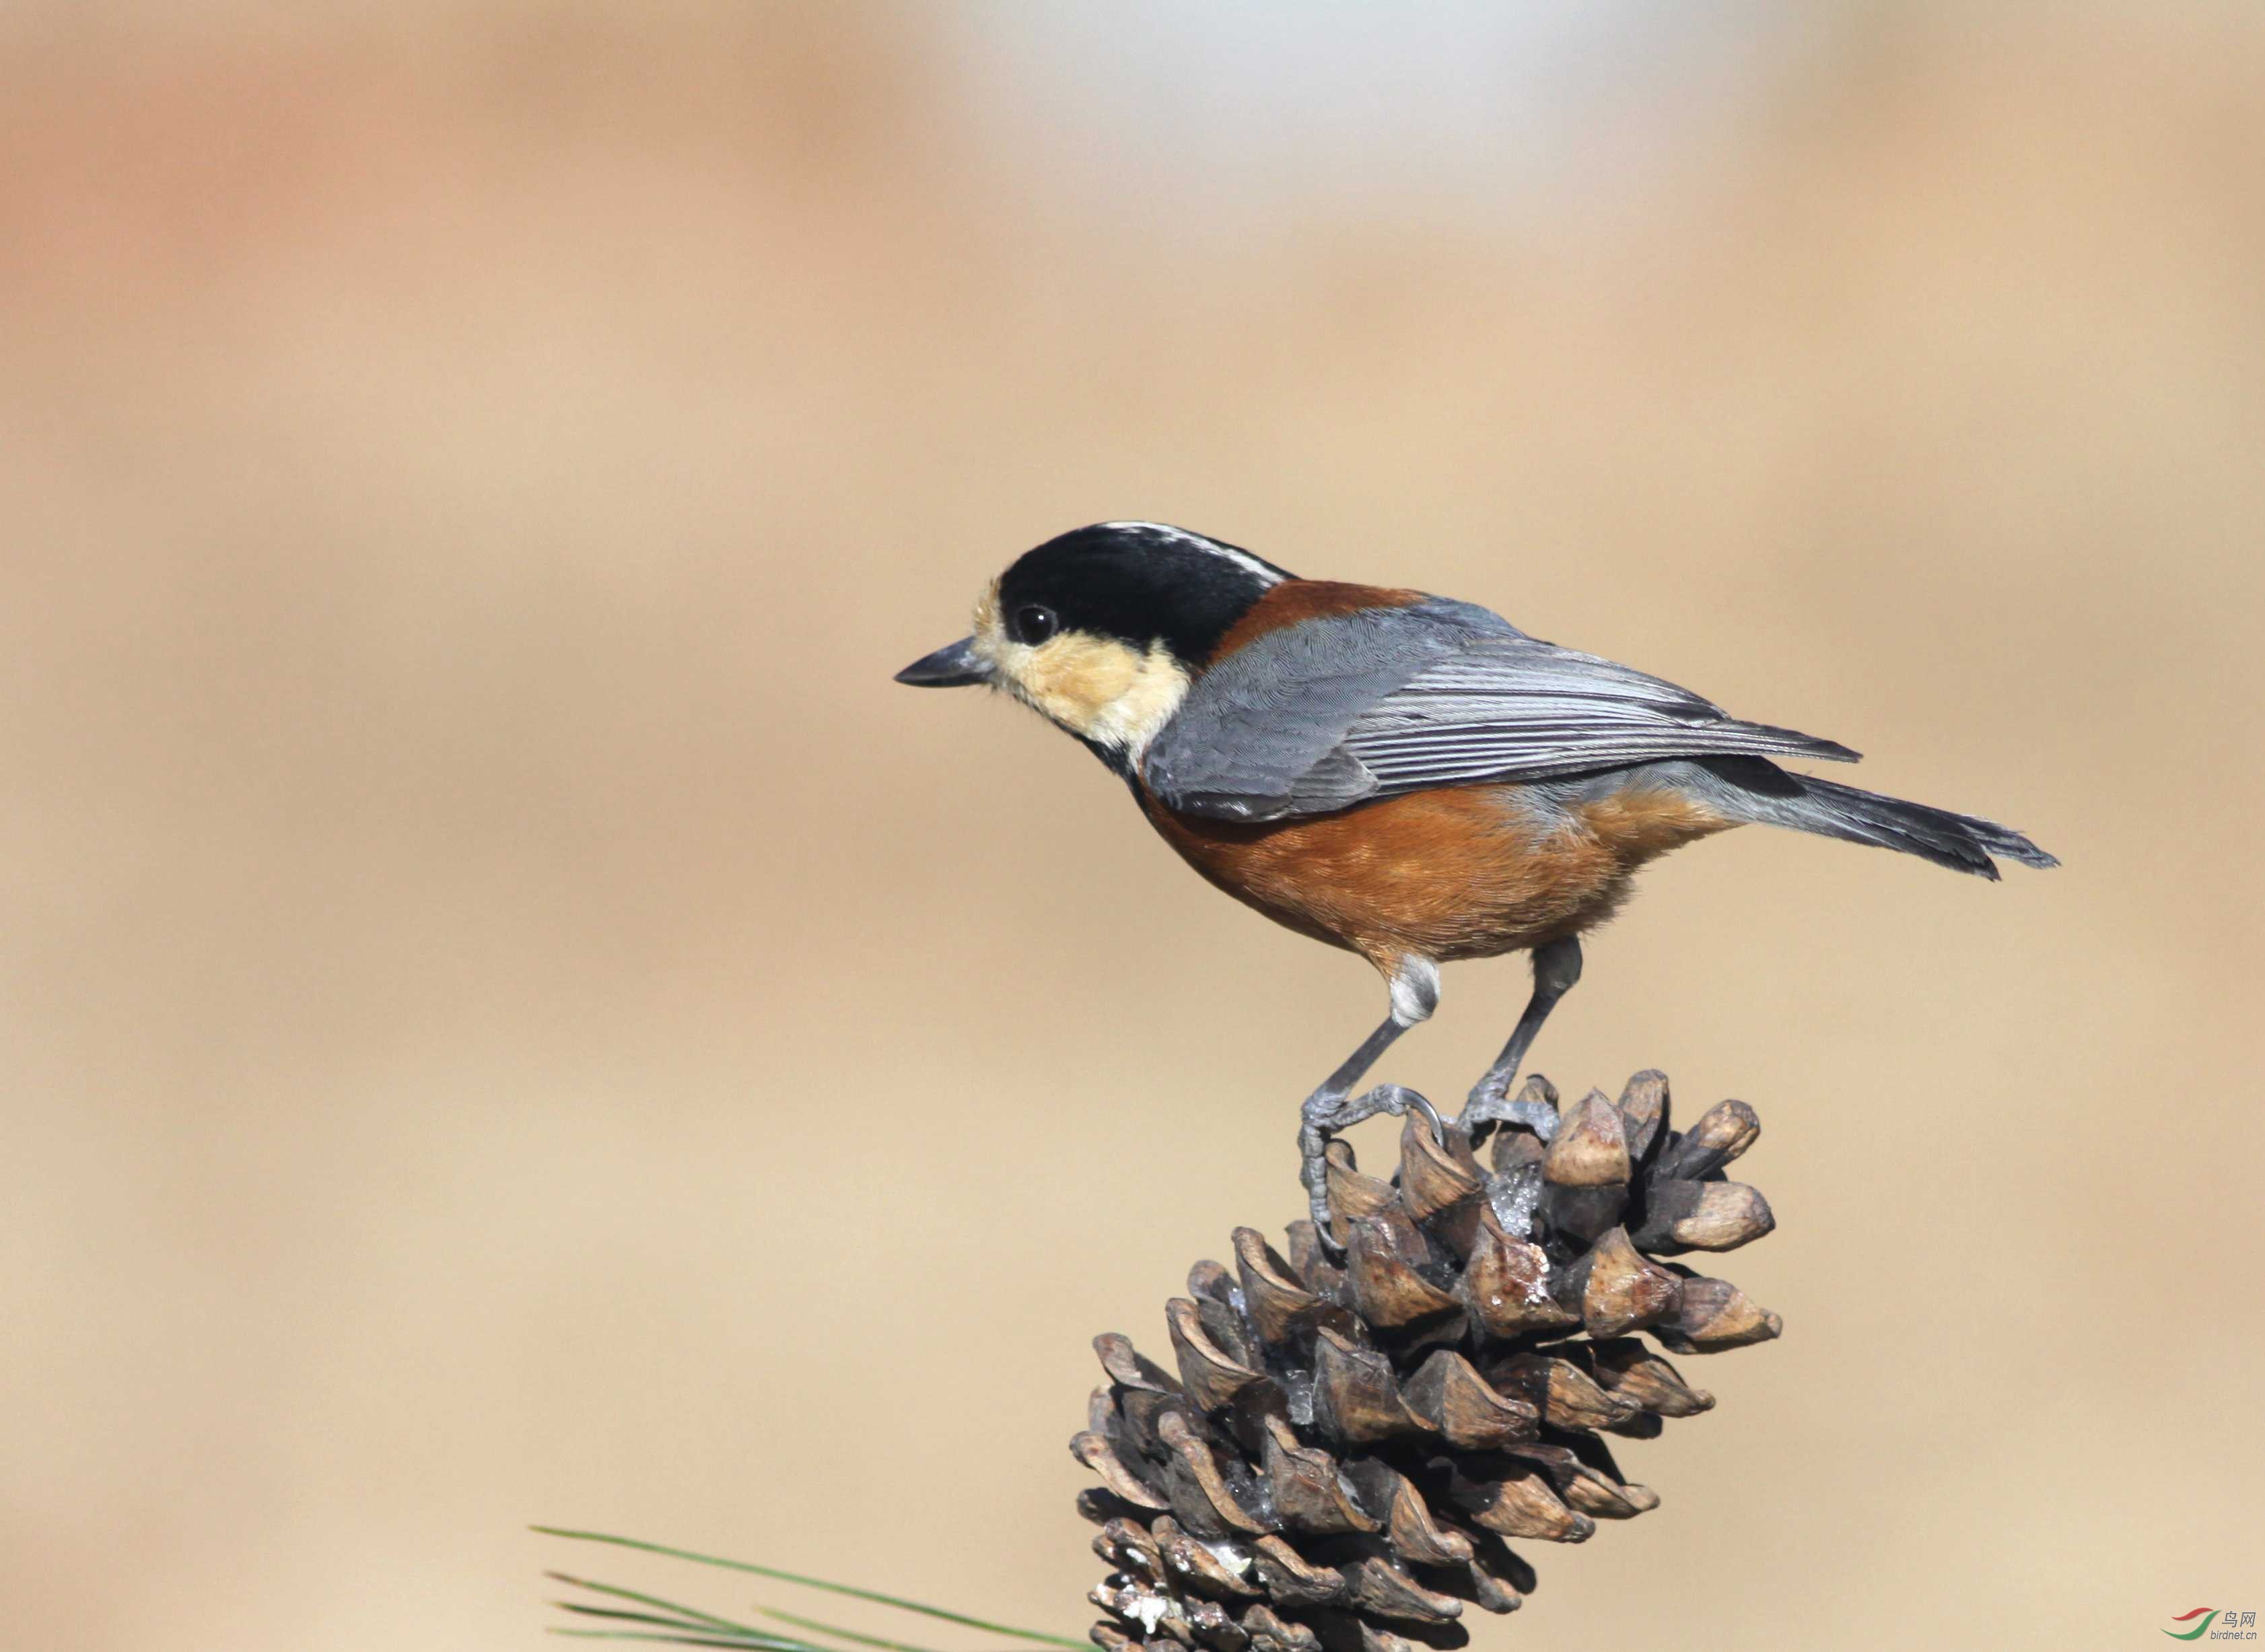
<point>1034,624</point>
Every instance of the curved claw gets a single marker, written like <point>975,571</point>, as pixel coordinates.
<point>1432,1113</point>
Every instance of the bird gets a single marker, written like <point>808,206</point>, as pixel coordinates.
<point>1405,777</point>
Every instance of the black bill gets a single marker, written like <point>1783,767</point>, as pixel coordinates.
<point>955,665</point>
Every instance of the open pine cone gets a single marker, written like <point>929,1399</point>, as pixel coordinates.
<point>1354,1431</point>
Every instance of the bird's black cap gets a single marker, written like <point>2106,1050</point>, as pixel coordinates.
<point>1138,582</point>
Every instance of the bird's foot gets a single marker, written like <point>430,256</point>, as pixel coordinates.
<point>1328,1111</point>
<point>1535,1106</point>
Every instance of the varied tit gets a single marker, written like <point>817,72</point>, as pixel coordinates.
<point>1410,778</point>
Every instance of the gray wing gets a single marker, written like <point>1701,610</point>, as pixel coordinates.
<point>1328,713</point>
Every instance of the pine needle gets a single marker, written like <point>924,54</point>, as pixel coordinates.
<point>577,1607</point>
<point>690,1618</point>
<point>839,1633</point>
<point>897,1601</point>
<point>639,1635</point>
<point>764,1640</point>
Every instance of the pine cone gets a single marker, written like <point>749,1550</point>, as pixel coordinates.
<point>1355,1431</point>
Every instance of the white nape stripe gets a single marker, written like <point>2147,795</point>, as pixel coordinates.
<point>1241,559</point>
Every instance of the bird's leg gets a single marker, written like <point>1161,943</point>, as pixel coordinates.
<point>1415,985</point>
<point>1333,1107</point>
<point>1556,967</point>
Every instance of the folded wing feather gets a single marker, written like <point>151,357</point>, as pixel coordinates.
<point>1335,712</point>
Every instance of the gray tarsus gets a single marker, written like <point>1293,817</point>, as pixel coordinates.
<point>1415,983</point>
<point>1556,969</point>
<point>1331,1109</point>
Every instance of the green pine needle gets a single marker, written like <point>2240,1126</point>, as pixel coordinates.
<point>639,1635</point>
<point>897,1601</point>
<point>692,1618</point>
<point>839,1633</point>
<point>766,1642</point>
<point>664,1621</point>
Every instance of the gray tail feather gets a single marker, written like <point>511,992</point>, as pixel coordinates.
<point>1962,842</point>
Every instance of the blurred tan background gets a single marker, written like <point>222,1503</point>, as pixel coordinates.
<point>510,1015</point>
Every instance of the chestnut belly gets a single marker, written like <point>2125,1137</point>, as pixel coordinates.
<point>1458,872</point>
